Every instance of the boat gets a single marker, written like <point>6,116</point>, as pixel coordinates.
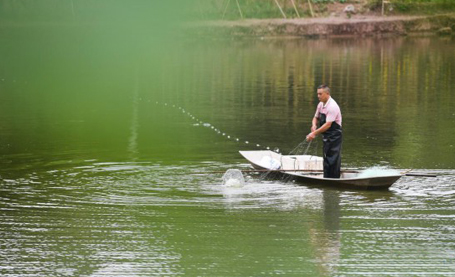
<point>308,169</point>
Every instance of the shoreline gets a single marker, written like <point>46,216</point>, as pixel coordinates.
<point>359,25</point>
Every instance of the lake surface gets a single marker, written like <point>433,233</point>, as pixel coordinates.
<point>108,141</point>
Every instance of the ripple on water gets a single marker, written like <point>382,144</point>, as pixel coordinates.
<point>93,209</point>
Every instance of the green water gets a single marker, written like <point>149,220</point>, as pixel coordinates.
<point>97,158</point>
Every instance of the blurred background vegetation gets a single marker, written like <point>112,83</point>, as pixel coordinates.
<point>415,6</point>
<point>94,11</point>
<point>261,9</point>
<point>172,11</point>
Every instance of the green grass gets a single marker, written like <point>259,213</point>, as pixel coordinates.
<point>416,6</point>
<point>215,9</point>
<point>264,9</point>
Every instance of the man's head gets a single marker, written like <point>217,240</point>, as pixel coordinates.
<point>323,93</point>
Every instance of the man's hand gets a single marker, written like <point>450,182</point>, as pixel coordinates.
<point>310,136</point>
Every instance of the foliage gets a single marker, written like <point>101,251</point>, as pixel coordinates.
<point>156,11</point>
<point>329,1</point>
<point>228,9</point>
<point>423,6</point>
<point>248,9</point>
<point>99,10</point>
<point>414,6</point>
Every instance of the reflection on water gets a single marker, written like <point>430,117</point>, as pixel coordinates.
<point>132,143</point>
<point>395,95</point>
<point>386,90</point>
<point>270,195</point>
<point>104,218</point>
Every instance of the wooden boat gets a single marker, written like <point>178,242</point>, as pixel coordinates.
<point>307,169</point>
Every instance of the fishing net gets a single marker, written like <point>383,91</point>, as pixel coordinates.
<point>306,148</point>
<point>303,148</point>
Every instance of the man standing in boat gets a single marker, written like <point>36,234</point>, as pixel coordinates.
<point>328,115</point>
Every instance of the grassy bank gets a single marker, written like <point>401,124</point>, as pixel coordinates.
<point>361,26</point>
<point>267,9</point>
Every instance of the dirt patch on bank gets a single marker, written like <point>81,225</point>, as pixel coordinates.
<point>358,25</point>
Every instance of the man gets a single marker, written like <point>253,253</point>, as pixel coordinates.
<point>328,115</point>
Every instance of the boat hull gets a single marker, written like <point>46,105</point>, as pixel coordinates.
<point>349,179</point>
<point>370,183</point>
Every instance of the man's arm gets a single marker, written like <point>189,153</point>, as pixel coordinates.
<point>314,126</point>
<point>319,131</point>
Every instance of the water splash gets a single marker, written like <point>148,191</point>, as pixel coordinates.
<point>233,178</point>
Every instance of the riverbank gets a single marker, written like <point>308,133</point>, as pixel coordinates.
<point>357,25</point>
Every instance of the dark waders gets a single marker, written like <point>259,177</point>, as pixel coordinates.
<point>332,139</point>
